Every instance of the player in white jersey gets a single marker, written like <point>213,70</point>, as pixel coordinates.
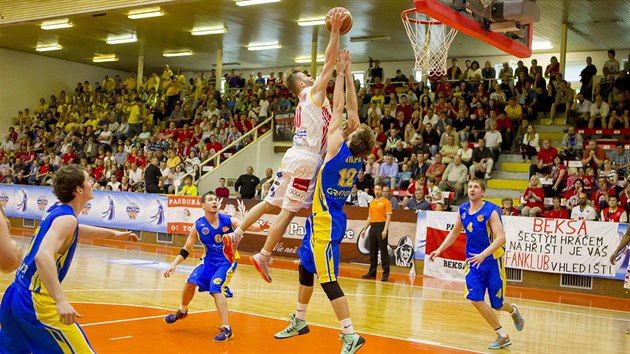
<point>293,187</point>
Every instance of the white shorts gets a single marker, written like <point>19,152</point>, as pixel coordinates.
<point>295,181</point>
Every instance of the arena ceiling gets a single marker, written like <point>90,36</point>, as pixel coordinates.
<point>593,25</point>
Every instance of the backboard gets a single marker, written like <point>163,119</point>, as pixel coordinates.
<point>479,19</point>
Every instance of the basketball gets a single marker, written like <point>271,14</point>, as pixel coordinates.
<point>347,21</point>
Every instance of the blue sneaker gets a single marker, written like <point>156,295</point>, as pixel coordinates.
<point>519,321</point>
<point>225,335</point>
<point>175,316</point>
<point>500,342</point>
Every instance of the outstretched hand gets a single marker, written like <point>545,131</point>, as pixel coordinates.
<point>337,18</point>
<point>128,235</point>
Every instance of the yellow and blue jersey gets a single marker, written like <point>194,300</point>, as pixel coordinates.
<point>29,322</point>
<point>27,275</point>
<point>210,237</point>
<point>326,226</point>
<point>478,233</point>
<point>335,180</point>
<point>214,271</point>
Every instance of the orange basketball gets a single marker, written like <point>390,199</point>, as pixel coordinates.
<point>347,21</point>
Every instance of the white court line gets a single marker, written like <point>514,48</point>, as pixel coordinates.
<point>118,338</point>
<point>370,333</point>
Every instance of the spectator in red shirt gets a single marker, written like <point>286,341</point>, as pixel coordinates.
<point>222,191</point>
<point>593,156</point>
<point>557,212</point>
<point>444,86</point>
<point>614,213</point>
<point>405,108</point>
<point>534,197</point>
<point>508,209</point>
<point>69,157</point>
<point>600,197</point>
<point>544,160</point>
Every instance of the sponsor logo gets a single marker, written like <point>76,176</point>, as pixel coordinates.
<point>205,231</point>
<point>296,195</point>
<point>4,200</point>
<point>86,208</point>
<point>42,202</point>
<point>132,211</point>
<point>300,134</point>
<point>301,184</point>
<point>480,218</point>
<point>217,281</point>
<point>225,229</point>
<point>187,214</point>
<point>303,172</point>
<point>464,215</point>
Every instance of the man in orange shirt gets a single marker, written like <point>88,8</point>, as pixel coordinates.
<point>379,216</point>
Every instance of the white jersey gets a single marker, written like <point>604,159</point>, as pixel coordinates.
<point>311,123</point>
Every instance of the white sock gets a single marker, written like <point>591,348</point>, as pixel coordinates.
<point>239,231</point>
<point>183,309</point>
<point>226,326</point>
<point>300,311</point>
<point>513,309</point>
<point>265,255</point>
<point>346,326</point>
<point>501,331</point>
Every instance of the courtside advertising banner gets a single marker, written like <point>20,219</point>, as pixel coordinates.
<point>536,244</point>
<point>183,211</point>
<point>450,264</point>
<point>132,211</point>
<point>560,245</point>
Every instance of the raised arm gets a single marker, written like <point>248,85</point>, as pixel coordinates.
<point>318,92</point>
<point>352,107</point>
<point>334,135</point>
<point>86,231</point>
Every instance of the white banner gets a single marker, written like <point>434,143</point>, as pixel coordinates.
<point>560,245</point>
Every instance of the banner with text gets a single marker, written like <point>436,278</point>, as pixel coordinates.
<point>560,245</point>
<point>283,126</point>
<point>132,211</point>
<point>183,211</point>
<point>534,244</point>
<point>450,264</point>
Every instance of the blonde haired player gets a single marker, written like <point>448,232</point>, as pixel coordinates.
<point>294,185</point>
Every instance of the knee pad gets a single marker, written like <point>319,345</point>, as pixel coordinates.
<point>306,278</point>
<point>332,290</point>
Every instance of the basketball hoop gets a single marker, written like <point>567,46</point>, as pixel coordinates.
<point>430,40</point>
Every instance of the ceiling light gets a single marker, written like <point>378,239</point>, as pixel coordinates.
<point>308,60</point>
<point>205,31</point>
<point>312,22</point>
<point>119,40</point>
<point>105,58</point>
<point>369,39</point>
<point>254,2</point>
<point>541,45</point>
<point>48,48</point>
<point>56,24</point>
<point>182,53</point>
<point>144,13</point>
<point>264,46</point>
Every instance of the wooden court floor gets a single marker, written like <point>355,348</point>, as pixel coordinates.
<point>123,299</point>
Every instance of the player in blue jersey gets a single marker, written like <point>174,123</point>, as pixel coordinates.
<point>485,263</point>
<point>214,271</point>
<point>35,315</point>
<point>326,227</point>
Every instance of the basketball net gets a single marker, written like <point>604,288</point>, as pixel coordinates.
<point>430,41</point>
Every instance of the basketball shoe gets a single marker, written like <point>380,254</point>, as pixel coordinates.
<point>351,343</point>
<point>261,265</point>
<point>230,243</point>
<point>500,342</point>
<point>175,316</point>
<point>224,336</point>
<point>519,321</point>
<point>295,328</point>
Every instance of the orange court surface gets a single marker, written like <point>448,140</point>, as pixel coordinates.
<point>123,298</point>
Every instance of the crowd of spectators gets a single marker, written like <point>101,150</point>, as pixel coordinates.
<point>431,137</point>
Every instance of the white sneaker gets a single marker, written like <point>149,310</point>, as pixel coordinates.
<point>262,266</point>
